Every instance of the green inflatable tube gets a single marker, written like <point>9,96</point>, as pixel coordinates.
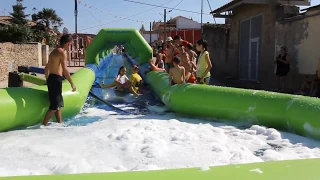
<point>276,170</point>
<point>32,79</point>
<point>107,38</point>
<point>25,106</point>
<point>295,113</point>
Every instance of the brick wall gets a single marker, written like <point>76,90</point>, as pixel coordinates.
<point>14,55</point>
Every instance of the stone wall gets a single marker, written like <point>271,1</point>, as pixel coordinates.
<point>217,36</point>
<point>14,55</point>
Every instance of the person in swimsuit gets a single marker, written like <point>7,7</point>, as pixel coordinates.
<point>192,55</point>
<point>190,68</point>
<point>121,82</point>
<point>204,63</point>
<point>181,51</point>
<point>283,67</point>
<point>170,53</point>
<point>153,67</point>
<point>161,56</point>
<point>56,67</point>
<point>177,73</point>
<point>177,40</point>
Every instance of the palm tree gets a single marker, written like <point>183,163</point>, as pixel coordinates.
<point>48,18</point>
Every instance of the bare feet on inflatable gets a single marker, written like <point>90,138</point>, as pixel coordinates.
<point>137,94</point>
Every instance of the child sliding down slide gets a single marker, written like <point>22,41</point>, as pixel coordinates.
<point>122,82</point>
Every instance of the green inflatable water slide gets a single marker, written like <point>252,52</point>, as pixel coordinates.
<point>22,107</point>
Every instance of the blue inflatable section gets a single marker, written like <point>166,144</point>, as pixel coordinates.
<point>107,72</point>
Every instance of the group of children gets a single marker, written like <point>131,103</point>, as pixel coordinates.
<point>177,57</point>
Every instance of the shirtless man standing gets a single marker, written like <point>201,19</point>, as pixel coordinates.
<point>57,66</point>
<point>177,73</point>
<point>170,53</point>
<point>181,51</point>
<point>177,40</point>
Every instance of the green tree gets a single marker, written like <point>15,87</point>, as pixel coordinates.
<point>18,31</point>
<point>18,16</point>
<point>16,34</point>
<point>65,30</point>
<point>47,26</point>
<point>48,18</point>
<point>142,29</point>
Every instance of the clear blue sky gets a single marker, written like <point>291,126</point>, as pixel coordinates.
<point>107,13</point>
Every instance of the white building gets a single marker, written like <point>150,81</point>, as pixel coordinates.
<point>154,36</point>
<point>183,23</point>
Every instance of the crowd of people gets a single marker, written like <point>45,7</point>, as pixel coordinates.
<point>179,59</point>
<point>119,49</point>
<point>176,57</point>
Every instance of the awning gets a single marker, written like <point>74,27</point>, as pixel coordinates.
<point>233,4</point>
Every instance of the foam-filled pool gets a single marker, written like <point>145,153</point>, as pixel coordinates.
<point>98,140</point>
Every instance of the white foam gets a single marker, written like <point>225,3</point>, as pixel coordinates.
<point>204,168</point>
<point>258,170</point>
<point>143,142</point>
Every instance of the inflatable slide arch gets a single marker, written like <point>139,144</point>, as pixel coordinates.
<point>106,39</point>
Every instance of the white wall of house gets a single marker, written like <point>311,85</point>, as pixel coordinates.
<point>183,23</point>
<point>154,37</point>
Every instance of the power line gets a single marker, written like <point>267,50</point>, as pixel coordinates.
<point>124,17</point>
<point>91,13</point>
<point>165,7</point>
<point>176,6</point>
<point>170,10</point>
<point>211,11</point>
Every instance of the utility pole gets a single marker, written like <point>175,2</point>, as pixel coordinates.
<point>150,32</point>
<point>76,28</point>
<point>76,16</point>
<point>165,25</point>
<point>201,19</point>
